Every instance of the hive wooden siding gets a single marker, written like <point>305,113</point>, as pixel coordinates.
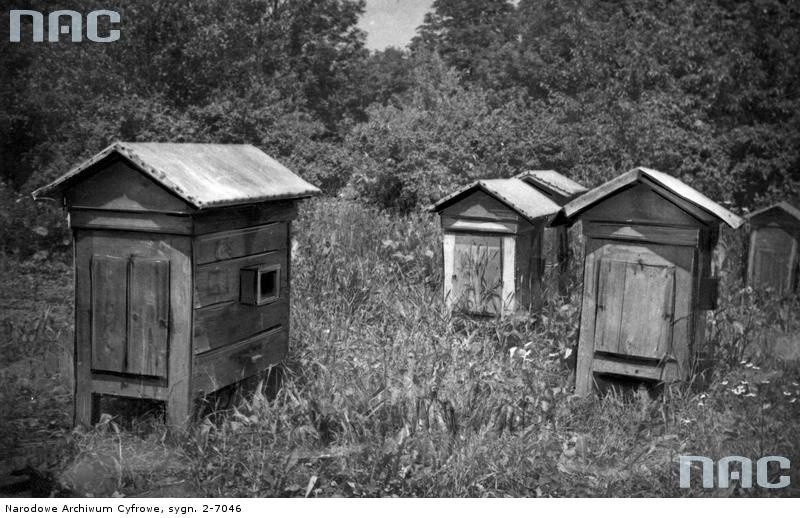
<point>233,340</point>
<point>646,278</point>
<point>159,313</point>
<point>773,248</point>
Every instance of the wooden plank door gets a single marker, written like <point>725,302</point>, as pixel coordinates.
<point>148,317</point>
<point>130,315</point>
<point>477,278</point>
<point>109,308</point>
<point>635,308</point>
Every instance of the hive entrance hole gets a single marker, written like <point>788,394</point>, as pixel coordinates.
<point>130,413</point>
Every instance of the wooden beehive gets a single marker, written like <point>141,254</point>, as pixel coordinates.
<point>647,276</point>
<point>181,270</point>
<point>555,240</point>
<point>772,260</point>
<point>493,245</point>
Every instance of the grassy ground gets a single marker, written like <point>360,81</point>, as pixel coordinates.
<point>384,394</point>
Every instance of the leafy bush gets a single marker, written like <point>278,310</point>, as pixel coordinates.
<point>28,228</point>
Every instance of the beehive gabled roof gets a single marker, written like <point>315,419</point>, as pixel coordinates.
<point>553,181</point>
<point>783,206</point>
<point>673,185</point>
<point>518,195</point>
<point>203,175</point>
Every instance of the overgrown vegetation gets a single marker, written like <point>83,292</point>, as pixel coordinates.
<point>487,88</point>
<point>384,393</point>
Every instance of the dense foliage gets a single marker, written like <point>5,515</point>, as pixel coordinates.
<point>710,93</point>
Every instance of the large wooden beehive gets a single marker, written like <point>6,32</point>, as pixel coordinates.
<point>181,269</point>
<point>647,276</point>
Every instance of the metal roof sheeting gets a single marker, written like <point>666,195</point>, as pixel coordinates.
<point>554,181</point>
<point>529,202</point>
<point>677,187</point>
<point>204,175</point>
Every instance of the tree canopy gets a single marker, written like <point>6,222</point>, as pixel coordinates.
<point>707,92</point>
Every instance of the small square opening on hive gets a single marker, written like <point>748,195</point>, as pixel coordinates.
<point>260,284</point>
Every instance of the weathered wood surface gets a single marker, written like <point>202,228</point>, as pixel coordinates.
<point>231,244</point>
<point>221,367</point>
<point>508,274</point>
<point>677,193</point>
<point>448,268</point>
<point>162,233</point>
<point>129,387</point>
<point>584,377</point>
<point>634,370</point>
<point>478,279</point>
<point>109,312</point>
<point>134,221</point>
<point>638,302</point>
<point>508,199</point>
<point>688,236</point>
<point>528,260</point>
<point>203,175</point>
<point>119,187</point>
<point>481,206</point>
<point>170,256</point>
<point>476,225</point>
<point>148,317</point>
<point>130,294</point>
<point>634,309</point>
<point>637,204</point>
<point>219,282</point>
<point>224,219</point>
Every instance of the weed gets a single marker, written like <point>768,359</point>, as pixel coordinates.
<point>386,393</point>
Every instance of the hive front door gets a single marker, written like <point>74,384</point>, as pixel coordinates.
<point>130,315</point>
<point>478,279</point>
<point>635,306</point>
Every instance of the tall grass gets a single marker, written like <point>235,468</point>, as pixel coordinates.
<point>385,393</point>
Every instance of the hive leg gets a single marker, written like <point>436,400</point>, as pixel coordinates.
<point>584,379</point>
<point>83,396</point>
<point>178,408</point>
<point>84,408</point>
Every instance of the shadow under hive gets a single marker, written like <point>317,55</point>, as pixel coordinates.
<point>181,269</point>
<point>647,276</point>
<point>772,260</point>
<point>498,240</point>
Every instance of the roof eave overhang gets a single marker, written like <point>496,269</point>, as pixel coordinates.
<point>57,187</point>
<point>572,210</point>
<point>445,202</point>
